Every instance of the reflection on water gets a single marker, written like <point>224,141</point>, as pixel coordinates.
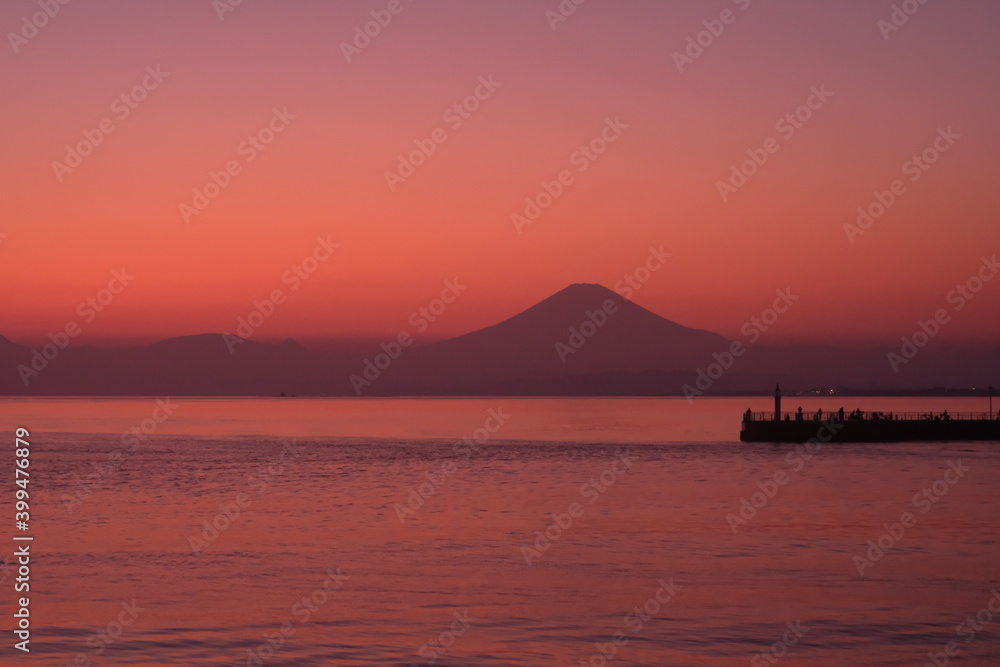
<point>373,538</point>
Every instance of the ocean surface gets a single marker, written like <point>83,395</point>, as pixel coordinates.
<point>382,532</point>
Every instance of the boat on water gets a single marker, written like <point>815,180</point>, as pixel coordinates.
<point>859,426</point>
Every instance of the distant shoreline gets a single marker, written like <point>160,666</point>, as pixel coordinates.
<point>930,393</point>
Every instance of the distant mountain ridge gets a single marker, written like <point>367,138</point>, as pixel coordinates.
<point>582,340</point>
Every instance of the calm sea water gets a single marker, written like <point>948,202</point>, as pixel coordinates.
<point>432,539</point>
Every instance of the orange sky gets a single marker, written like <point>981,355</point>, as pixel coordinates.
<point>656,184</point>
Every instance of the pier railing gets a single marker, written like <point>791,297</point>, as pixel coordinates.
<point>768,416</point>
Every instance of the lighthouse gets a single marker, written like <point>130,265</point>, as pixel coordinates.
<point>777,402</point>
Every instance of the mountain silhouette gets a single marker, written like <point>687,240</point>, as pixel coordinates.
<point>550,340</point>
<point>583,340</point>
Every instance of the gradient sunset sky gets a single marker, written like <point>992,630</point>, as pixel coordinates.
<point>324,174</point>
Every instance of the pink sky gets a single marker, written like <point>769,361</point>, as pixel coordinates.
<point>656,184</point>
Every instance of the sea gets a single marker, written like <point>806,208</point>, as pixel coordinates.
<point>493,531</point>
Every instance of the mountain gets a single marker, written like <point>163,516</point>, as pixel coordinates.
<point>585,340</point>
<point>583,329</point>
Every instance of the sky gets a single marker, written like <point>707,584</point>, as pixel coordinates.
<point>311,117</point>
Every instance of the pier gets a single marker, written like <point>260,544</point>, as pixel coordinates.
<point>861,426</point>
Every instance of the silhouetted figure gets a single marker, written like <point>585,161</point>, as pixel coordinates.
<point>840,414</point>
<point>798,415</point>
<point>946,416</point>
<point>748,416</point>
